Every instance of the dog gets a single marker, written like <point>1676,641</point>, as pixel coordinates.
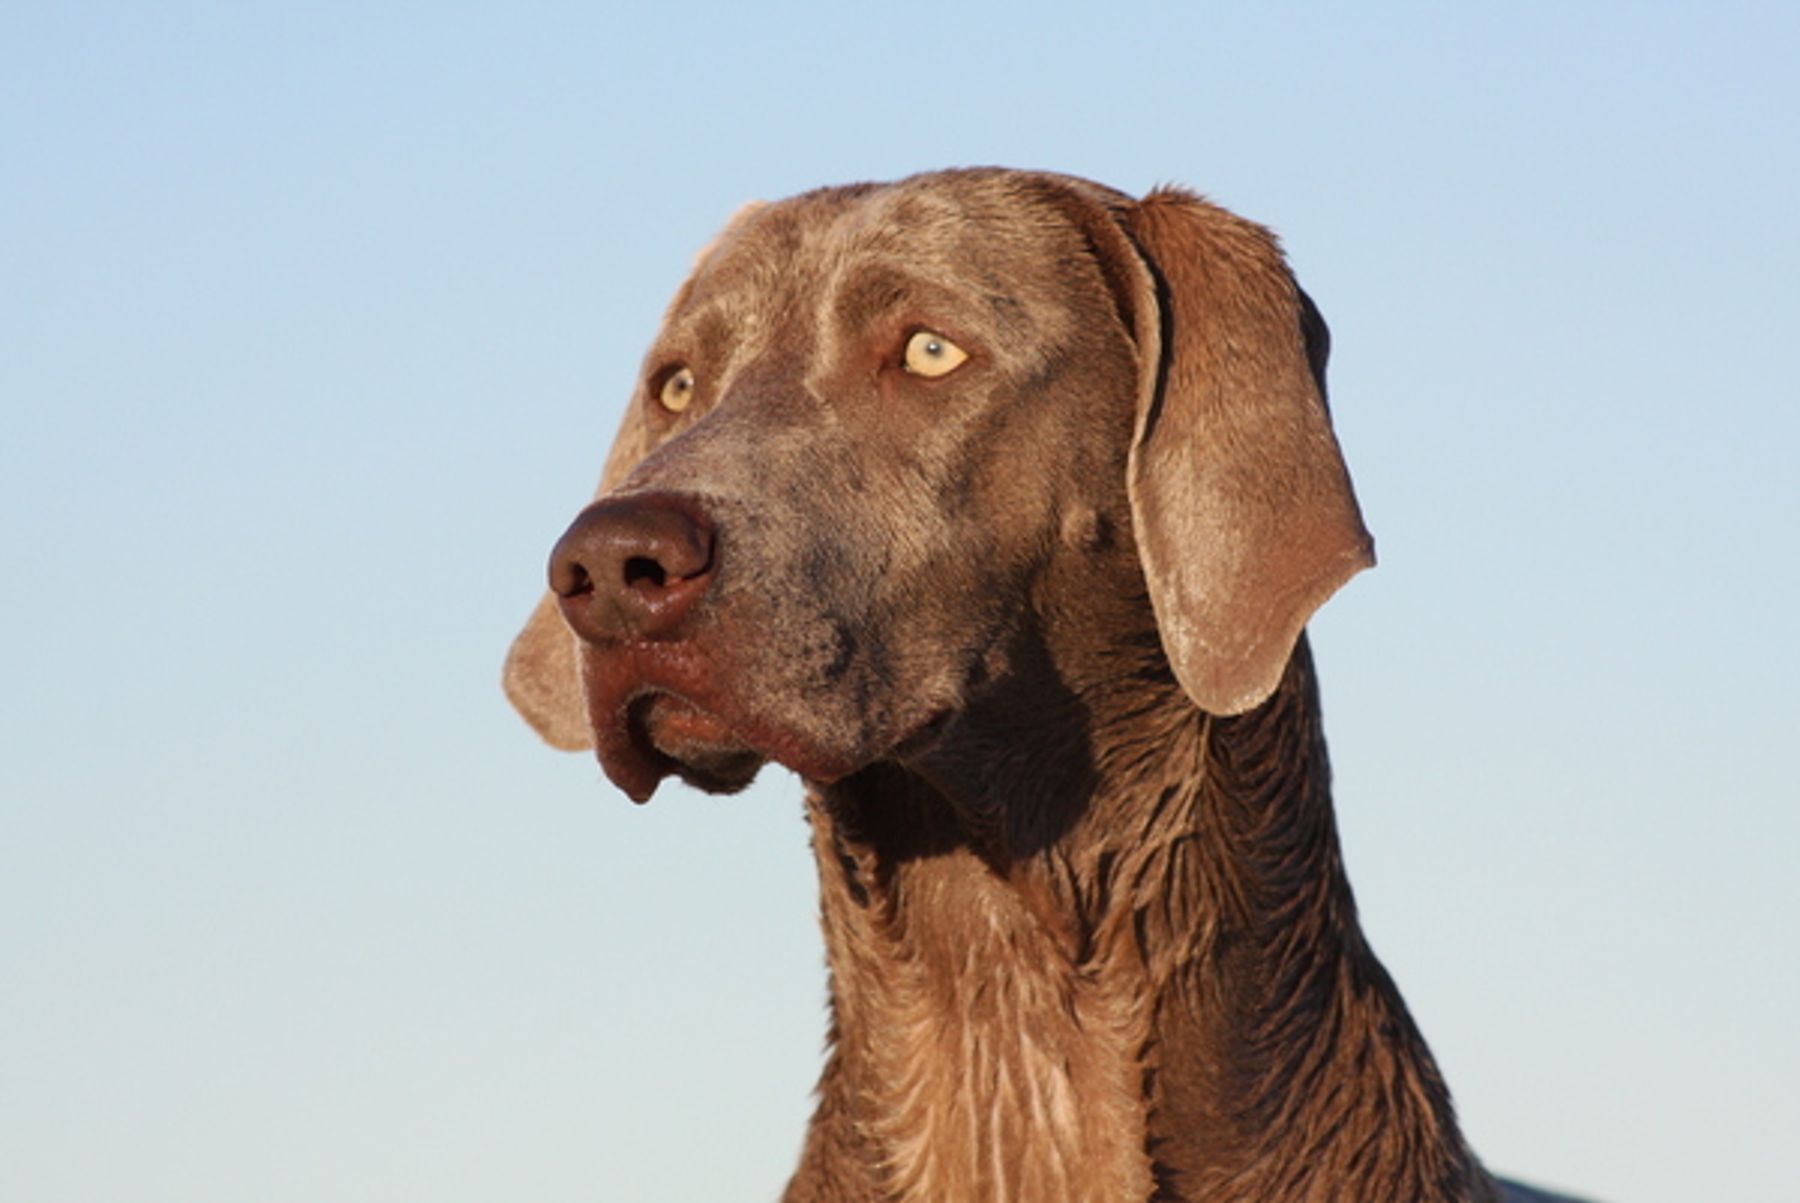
<point>993,504</point>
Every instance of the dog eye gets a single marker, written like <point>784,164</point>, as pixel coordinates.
<point>677,391</point>
<point>931,354</point>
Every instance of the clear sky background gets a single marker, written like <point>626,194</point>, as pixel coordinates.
<point>314,325</point>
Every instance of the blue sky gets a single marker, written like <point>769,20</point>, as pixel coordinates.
<point>314,324</point>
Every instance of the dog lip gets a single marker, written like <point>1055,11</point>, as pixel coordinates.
<point>666,717</point>
<point>627,755</point>
<point>645,698</point>
<point>688,734</point>
<point>620,690</point>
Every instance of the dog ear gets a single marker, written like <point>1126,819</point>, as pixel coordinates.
<point>1240,500</point>
<point>543,682</point>
<point>542,676</point>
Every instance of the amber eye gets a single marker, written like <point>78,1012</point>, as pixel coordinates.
<point>931,354</point>
<point>677,391</point>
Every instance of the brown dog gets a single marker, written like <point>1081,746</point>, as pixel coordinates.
<point>993,505</point>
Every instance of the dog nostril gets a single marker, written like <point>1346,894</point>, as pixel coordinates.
<point>572,580</point>
<point>642,572</point>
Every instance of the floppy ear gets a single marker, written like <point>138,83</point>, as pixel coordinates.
<point>1240,501</point>
<point>542,677</point>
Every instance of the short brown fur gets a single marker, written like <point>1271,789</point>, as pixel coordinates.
<point>1032,634</point>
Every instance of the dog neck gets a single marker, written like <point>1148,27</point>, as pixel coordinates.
<point>1123,962</point>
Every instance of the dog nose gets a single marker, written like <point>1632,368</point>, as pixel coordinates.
<point>632,567</point>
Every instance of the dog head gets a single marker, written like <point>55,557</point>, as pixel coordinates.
<point>886,432</point>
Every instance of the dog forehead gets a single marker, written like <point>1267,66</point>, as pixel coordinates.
<point>980,231</point>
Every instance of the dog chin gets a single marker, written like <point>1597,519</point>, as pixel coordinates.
<point>699,748</point>
<point>660,735</point>
<point>654,714</point>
